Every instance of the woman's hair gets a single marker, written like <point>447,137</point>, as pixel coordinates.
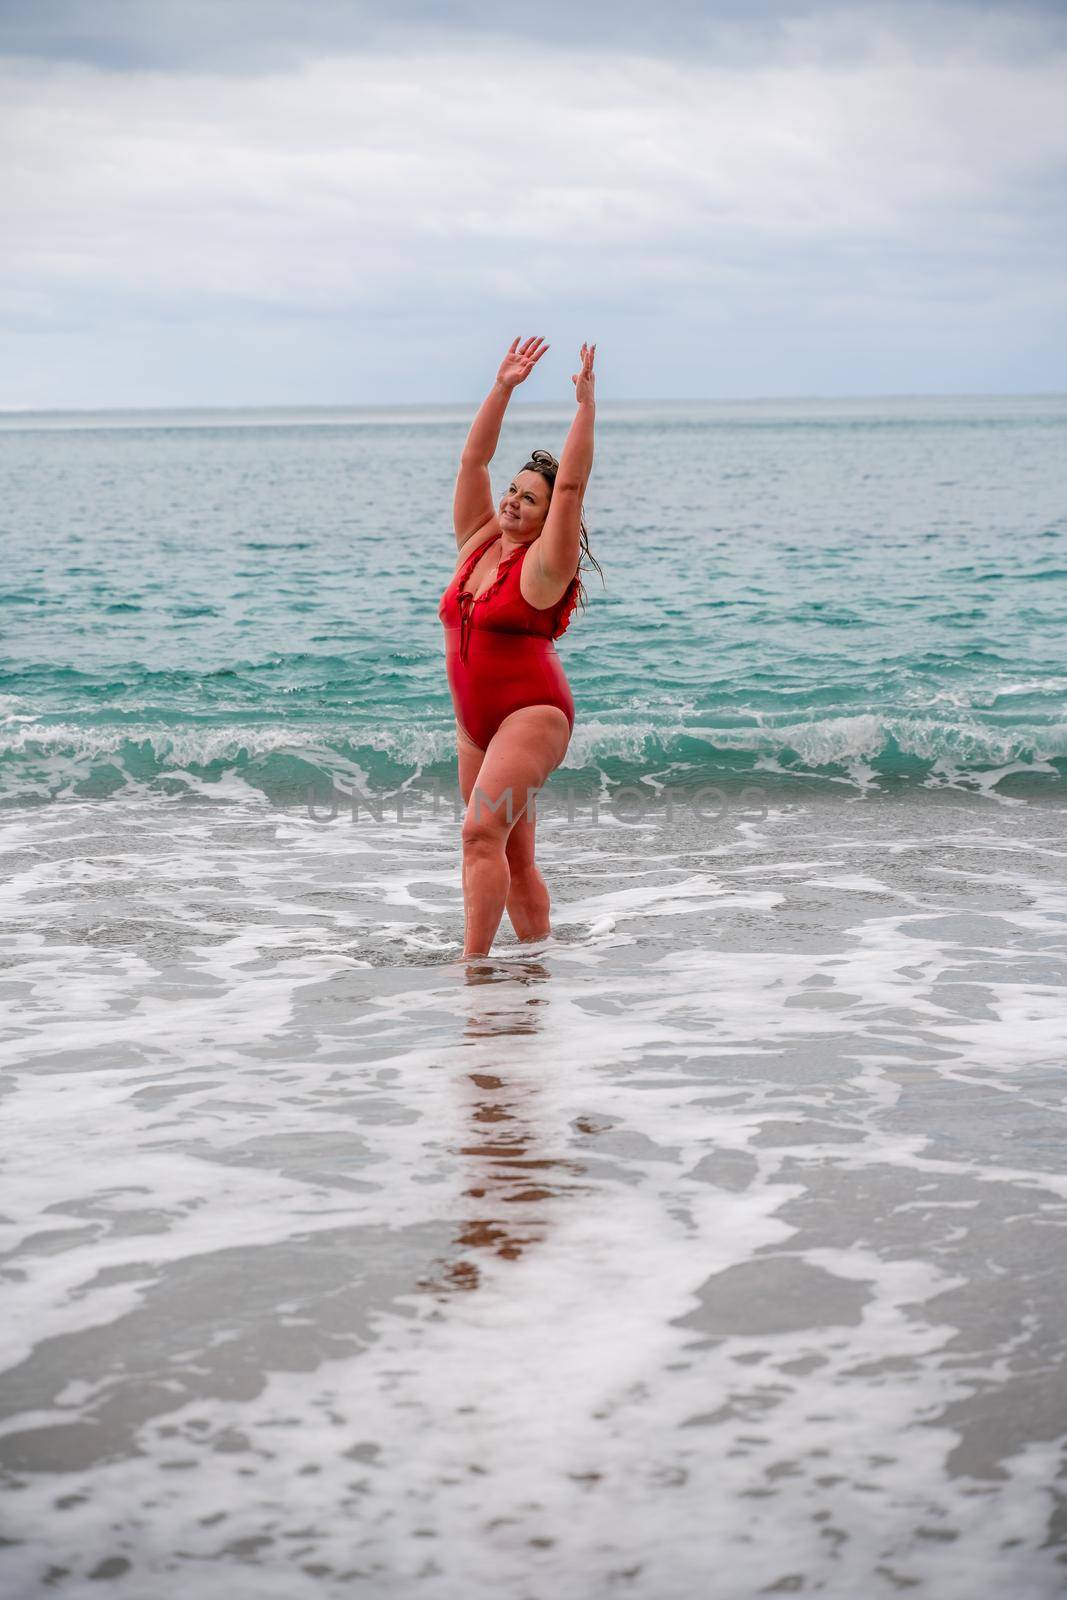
<point>544,462</point>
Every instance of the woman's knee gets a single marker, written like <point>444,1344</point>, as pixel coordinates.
<point>503,812</point>
<point>483,834</point>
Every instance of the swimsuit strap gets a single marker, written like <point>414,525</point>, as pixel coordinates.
<point>465,602</point>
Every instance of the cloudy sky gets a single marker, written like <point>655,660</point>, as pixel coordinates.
<point>331,201</point>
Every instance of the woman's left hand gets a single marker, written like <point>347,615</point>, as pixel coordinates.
<point>585,381</point>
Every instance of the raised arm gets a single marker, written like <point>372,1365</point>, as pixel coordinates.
<point>560,541</point>
<point>473,504</point>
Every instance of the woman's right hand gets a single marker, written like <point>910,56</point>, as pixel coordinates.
<point>585,381</point>
<point>519,363</point>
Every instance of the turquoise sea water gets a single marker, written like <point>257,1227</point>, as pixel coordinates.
<point>858,593</point>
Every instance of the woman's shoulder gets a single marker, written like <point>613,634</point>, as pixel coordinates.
<point>540,592</point>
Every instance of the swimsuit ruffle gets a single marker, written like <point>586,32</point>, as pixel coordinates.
<point>567,605</point>
<point>502,571</point>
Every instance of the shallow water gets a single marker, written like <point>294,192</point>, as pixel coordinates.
<point>712,1245</point>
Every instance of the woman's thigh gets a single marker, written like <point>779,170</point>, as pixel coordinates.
<point>528,745</point>
<point>470,757</point>
<point>521,839</point>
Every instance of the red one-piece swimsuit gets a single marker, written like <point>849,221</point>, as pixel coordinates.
<point>499,654</point>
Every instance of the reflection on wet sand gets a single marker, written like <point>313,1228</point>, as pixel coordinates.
<point>506,1167</point>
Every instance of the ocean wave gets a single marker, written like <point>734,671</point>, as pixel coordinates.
<point>63,759</point>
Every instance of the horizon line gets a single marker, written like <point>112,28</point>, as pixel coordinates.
<point>9,411</point>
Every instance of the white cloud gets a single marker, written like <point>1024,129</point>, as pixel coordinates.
<point>464,184</point>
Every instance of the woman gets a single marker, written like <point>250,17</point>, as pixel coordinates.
<point>513,591</point>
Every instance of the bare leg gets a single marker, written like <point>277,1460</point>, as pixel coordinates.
<point>528,902</point>
<point>486,881</point>
<point>528,745</point>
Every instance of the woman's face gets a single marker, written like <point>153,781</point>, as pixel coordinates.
<point>524,508</point>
